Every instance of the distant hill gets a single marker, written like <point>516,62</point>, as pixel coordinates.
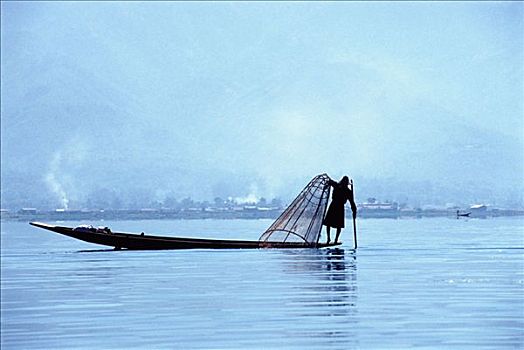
<point>184,103</point>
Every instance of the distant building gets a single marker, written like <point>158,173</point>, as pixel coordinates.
<point>373,208</point>
<point>478,208</point>
<point>374,205</point>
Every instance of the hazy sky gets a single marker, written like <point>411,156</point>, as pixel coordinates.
<point>206,99</point>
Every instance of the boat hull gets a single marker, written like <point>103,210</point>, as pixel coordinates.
<point>132,241</point>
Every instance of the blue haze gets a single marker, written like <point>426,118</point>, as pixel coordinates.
<point>419,102</point>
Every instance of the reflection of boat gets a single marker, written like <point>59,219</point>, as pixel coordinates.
<point>144,242</point>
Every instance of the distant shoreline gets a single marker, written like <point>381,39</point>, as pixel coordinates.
<point>249,214</point>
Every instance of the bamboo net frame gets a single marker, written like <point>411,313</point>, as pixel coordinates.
<point>302,219</point>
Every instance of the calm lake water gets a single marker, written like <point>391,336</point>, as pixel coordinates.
<point>428,283</point>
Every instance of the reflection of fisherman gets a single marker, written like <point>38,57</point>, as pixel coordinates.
<point>335,214</point>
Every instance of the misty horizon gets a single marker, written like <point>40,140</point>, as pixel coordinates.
<point>419,103</point>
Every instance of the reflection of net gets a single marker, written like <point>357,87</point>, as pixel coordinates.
<point>302,220</point>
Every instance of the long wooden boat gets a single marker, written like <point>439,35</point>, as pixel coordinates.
<point>122,240</point>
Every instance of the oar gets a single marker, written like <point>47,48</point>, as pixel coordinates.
<point>354,219</point>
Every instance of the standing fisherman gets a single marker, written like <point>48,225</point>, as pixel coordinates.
<point>335,214</point>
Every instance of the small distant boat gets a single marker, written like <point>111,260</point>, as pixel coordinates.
<point>298,226</point>
<point>463,214</point>
<point>121,240</point>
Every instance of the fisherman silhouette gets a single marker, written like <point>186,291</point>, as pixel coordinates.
<point>335,214</point>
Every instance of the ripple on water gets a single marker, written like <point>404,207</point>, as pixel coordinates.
<point>425,293</point>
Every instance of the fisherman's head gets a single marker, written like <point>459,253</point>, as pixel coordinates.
<point>344,181</point>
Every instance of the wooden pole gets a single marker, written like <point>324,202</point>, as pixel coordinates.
<point>354,218</point>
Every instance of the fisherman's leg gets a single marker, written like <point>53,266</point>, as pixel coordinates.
<point>328,231</point>
<point>338,234</point>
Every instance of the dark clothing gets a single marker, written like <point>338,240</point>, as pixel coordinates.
<point>335,214</point>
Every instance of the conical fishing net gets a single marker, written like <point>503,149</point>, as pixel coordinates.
<point>302,219</point>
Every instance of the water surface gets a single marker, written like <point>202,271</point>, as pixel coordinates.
<point>428,283</point>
